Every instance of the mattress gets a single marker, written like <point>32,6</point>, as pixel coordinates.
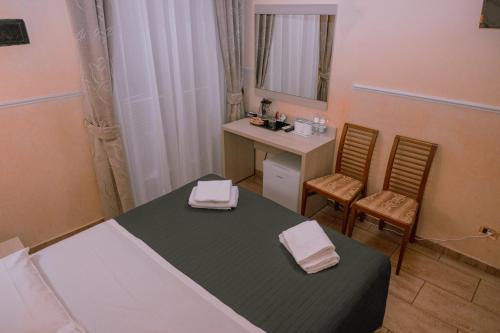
<point>111,282</point>
<point>236,256</point>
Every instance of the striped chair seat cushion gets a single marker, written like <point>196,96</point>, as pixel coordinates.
<point>338,186</point>
<point>393,205</point>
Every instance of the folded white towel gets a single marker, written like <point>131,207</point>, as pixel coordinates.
<point>331,259</point>
<point>232,203</point>
<point>213,191</point>
<point>307,241</point>
<point>310,246</point>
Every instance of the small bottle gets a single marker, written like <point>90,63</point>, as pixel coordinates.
<point>315,124</point>
<point>322,125</point>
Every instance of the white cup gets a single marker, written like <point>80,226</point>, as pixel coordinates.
<point>299,126</point>
<point>307,128</point>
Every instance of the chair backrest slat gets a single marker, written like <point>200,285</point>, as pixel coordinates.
<point>409,166</point>
<point>351,155</point>
<point>355,151</point>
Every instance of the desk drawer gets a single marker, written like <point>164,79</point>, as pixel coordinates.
<point>267,148</point>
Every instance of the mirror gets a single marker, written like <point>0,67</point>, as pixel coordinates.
<point>293,54</point>
<point>490,15</point>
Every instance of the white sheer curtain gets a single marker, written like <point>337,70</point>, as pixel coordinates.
<point>294,57</point>
<point>168,88</point>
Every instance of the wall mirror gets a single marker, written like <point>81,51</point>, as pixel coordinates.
<point>293,52</point>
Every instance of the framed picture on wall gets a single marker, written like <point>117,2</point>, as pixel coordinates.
<point>13,32</point>
<point>490,16</point>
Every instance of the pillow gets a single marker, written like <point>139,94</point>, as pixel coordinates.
<point>27,304</point>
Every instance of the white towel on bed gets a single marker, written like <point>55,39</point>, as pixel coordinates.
<point>307,241</point>
<point>213,191</point>
<point>310,246</point>
<point>330,259</point>
<point>232,203</point>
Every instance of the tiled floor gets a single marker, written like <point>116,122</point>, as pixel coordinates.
<point>433,292</point>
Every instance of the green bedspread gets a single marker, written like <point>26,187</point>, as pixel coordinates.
<point>236,256</point>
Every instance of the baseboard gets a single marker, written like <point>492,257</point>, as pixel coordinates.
<point>461,257</point>
<point>59,238</point>
<point>451,253</point>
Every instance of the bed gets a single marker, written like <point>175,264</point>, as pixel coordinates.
<point>231,259</point>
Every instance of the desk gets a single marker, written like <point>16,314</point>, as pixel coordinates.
<point>240,139</point>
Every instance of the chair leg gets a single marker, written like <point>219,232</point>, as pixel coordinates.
<point>404,243</point>
<point>414,228</point>
<point>345,218</point>
<point>381,224</point>
<point>305,193</point>
<point>362,215</point>
<point>412,236</point>
<point>351,221</point>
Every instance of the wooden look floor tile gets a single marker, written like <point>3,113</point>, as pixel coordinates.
<point>338,215</point>
<point>386,234</point>
<point>329,209</point>
<point>370,239</point>
<point>488,296</point>
<point>251,185</point>
<point>258,179</point>
<point>433,254</point>
<point>433,271</point>
<point>402,317</point>
<point>454,310</point>
<point>405,285</point>
<point>466,268</point>
<point>326,220</point>
<point>363,225</point>
<point>337,225</point>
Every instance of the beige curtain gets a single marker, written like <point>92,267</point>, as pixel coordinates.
<point>89,25</point>
<point>264,26</point>
<point>228,14</point>
<point>325,55</point>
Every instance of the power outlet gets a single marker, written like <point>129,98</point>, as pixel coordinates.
<point>487,230</point>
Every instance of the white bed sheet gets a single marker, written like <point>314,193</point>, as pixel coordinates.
<point>110,281</point>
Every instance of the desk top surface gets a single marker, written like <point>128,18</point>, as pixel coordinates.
<point>285,141</point>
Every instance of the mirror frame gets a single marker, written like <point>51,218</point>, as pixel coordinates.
<point>318,9</point>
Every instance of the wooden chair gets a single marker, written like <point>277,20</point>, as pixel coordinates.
<point>351,170</point>
<point>399,202</point>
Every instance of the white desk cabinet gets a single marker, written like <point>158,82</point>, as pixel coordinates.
<point>240,139</point>
<point>282,179</point>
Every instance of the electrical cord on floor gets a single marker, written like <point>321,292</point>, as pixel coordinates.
<point>488,234</point>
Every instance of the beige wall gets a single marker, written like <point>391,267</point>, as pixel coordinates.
<point>47,182</point>
<point>427,47</point>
